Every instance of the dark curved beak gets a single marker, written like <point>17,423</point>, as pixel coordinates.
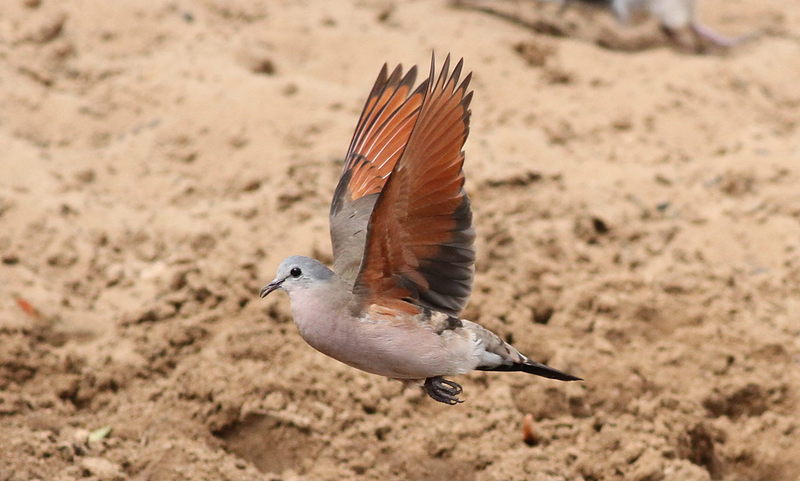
<point>270,287</point>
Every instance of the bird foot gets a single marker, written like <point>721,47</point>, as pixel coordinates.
<point>443,390</point>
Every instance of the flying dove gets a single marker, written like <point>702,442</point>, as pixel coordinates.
<point>401,228</point>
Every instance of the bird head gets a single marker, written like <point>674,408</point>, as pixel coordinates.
<point>297,272</point>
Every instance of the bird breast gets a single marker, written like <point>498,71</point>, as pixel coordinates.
<point>395,348</point>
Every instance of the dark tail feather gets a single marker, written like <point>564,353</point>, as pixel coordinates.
<point>546,371</point>
<point>533,367</point>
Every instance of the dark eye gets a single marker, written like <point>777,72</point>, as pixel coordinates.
<point>296,272</point>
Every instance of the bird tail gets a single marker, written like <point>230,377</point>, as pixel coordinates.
<point>499,355</point>
<point>533,367</point>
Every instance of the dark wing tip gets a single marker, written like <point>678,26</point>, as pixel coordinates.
<point>465,83</point>
<point>456,72</point>
<point>410,77</point>
<point>380,80</point>
<point>445,68</point>
<point>394,78</point>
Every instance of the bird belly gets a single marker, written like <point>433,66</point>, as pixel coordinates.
<point>398,351</point>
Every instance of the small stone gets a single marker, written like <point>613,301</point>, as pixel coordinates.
<point>102,468</point>
<point>85,176</point>
<point>529,436</point>
<point>47,29</point>
<point>534,53</point>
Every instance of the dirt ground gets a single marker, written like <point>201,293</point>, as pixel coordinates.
<point>638,219</point>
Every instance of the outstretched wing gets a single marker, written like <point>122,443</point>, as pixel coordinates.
<point>419,249</point>
<point>381,135</point>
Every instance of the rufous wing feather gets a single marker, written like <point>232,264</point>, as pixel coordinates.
<point>419,249</point>
<point>381,135</point>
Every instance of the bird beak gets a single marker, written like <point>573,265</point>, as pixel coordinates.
<point>276,284</point>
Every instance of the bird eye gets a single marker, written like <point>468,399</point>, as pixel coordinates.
<point>296,272</point>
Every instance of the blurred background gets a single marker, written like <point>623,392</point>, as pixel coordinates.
<point>636,200</point>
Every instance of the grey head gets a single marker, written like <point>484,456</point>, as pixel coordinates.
<point>297,272</point>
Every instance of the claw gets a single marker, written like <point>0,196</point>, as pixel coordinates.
<point>443,390</point>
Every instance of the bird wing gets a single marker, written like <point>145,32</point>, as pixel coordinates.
<point>419,249</point>
<point>381,135</point>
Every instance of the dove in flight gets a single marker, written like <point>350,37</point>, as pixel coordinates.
<point>401,228</point>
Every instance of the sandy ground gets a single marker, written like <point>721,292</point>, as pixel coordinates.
<point>637,208</point>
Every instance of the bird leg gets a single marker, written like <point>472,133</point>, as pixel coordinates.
<point>442,390</point>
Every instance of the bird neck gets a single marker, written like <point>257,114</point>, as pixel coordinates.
<point>323,296</point>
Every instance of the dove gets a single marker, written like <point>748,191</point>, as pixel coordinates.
<point>673,15</point>
<point>403,254</point>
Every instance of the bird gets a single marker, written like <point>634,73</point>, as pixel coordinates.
<point>673,16</point>
<point>403,245</point>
